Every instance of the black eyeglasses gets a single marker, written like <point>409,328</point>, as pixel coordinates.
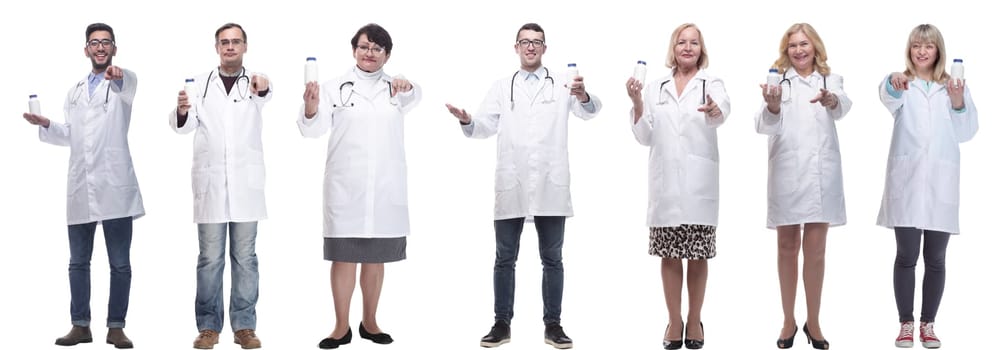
<point>374,49</point>
<point>103,42</point>
<point>524,43</point>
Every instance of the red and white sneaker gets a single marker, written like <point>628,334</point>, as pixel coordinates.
<point>929,339</point>
<point>906,337</point>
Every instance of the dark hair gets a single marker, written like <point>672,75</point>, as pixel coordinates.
<point>231,25</point>
<point>375,34</point>
<point>533,27</point>
<point>99,27</point>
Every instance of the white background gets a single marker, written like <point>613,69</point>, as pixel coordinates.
<point>441,296</point>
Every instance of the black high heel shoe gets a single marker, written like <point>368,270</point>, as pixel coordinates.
<point>788,342</point>
<point>673,344</point>
<point>817,343</point>
<point>693,343</point>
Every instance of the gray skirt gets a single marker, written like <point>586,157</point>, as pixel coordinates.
<point>365,250</point>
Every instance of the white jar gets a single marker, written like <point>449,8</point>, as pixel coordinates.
<point>773,79</point>
<point>190,89</point>
<point>34,107</point>
<point>957,70</point>
<point>312,71</point>
<point>640,71</point>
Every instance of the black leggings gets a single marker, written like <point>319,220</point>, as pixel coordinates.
<point>933,282</point>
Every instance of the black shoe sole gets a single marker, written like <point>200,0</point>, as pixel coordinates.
<point>488,344</point>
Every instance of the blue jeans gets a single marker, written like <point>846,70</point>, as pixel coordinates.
<point>118,241</point>
<point>550,230</point>
<point>243,271</point>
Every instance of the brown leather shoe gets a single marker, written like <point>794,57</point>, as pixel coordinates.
<point>116,337</point>
<point>76,336</point>
<point>247,339</point>
<point>206,339</point>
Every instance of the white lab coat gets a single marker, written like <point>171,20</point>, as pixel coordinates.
<point>805,165</point>
<point>684,165</point>
<point>922,188</point>
<point>532,177</point>
<point>101,183</point>
<point>365,182</point>
<point>227,170</point>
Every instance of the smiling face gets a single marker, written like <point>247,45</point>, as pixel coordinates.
<point>100,48</point>
<point>369,56</point>
<point>687,49</point>
<point>800,51</point>
<point>530,47</point>
<point>924,56</point>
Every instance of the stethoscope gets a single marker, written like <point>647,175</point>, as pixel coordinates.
<point>80,91</point>
<point>351,92</point>
<point>789,85</point>
<point>244,91</point>
<point>661,92</point>
<point>548,77</point>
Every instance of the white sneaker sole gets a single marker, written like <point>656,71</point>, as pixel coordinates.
<point>494,345</point>
<point>904,343</point>
<point>931,344</point>
<point>559,346</point>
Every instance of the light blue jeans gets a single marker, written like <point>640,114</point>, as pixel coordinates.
<point>243,271</point>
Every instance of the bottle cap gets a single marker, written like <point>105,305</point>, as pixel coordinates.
<point>311,58</point>
<point>773,70</point>
<point>189,80</point>
<point>569,65</point>
<point>32,96</point>
<point>957,60</point>
<point>642,62</point>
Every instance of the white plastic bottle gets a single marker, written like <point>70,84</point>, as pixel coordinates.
<point>572,71</point>
<point>957,71</point>
<point>773,78</point>
<point>312,70</point>
<point>190,89</point>
<point>34,107</point>
<point>640,71</point>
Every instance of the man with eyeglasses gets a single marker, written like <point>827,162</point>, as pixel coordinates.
<point>529,112</point>
<point>101,185</point>
<point>227,176</point>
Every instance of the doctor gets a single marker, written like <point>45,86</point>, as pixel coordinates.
<point>805,170</point>
<point>529,111</point>
<point>365,184</point>
<point>227,180</point>
<point>933,113</point>
<point>677,116</point>
<point>101,186</point>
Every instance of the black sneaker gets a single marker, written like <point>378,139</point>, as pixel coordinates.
<point>555,336</point>
<point>500,334</point>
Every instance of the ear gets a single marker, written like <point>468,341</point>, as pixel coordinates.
<point>86,53</point>
<point>387,59</point>
<point>114,50</point>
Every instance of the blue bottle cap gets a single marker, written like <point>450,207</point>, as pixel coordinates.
<point>311,58</point>
<point>958,60</point>
<point>569,65</point>
<point>32,96</point>
<point>642,62</point>
<point>773,70</point>
<point>189,80</point>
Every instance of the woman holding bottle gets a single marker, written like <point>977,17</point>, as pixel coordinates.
<point>677,116</point>
<point>933,113</point>
<point>365,183</point>
<point>805,171</point>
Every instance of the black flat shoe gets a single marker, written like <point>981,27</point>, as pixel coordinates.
<point>673,344</point>
<point>817,343</point>
<point>693,343</point>
<point>378,338</point>
<point>788,342</point>
<point>331,343</point>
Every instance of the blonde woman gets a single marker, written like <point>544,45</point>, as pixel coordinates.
<point>805,170</point>
<point>933,113</point>
<point>677,117</point>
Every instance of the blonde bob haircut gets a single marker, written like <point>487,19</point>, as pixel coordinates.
<point>704,58</point>
<point>820,54</point>
<point>927,34</point>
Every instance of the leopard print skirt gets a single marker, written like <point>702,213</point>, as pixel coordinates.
<point>684,242</point>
